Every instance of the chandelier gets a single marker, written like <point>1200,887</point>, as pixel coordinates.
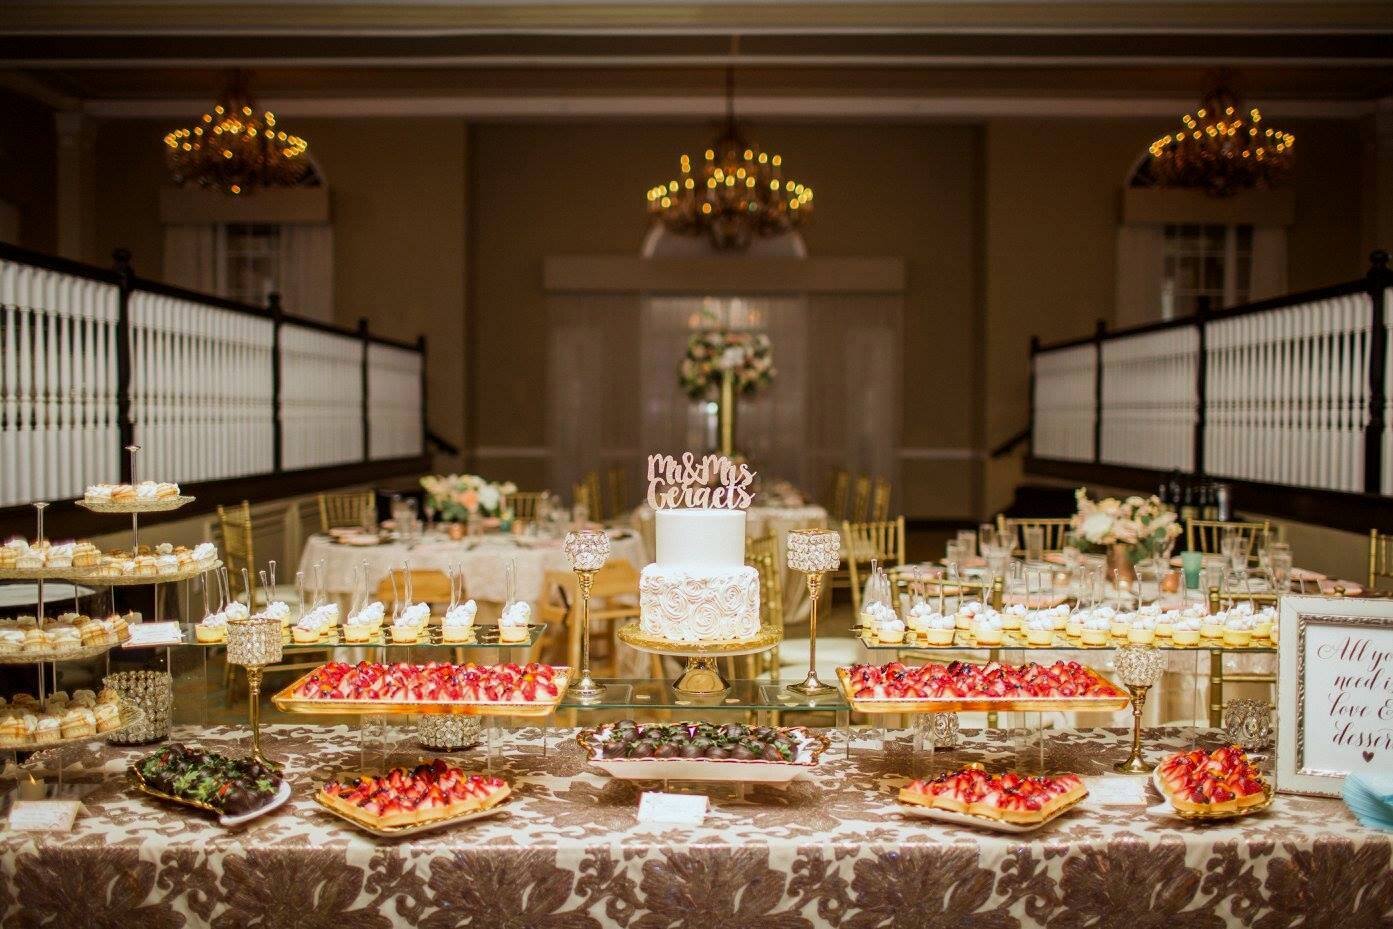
<point>1222,149</point>
<point>235,148</point>
<point>736,193</point>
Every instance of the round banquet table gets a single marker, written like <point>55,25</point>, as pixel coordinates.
<point>760,521</point>
<point>833,849</point>
<point>485,559</point>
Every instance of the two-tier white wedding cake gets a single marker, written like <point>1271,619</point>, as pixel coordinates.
<point>699,589</point>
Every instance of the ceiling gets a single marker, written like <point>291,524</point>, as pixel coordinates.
<point>815,57</point>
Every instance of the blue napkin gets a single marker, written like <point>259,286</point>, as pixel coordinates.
<point>1370,798</point>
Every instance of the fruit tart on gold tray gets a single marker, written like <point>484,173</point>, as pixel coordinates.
<point>1004,802</point>
<point>408,800</point>
<point>1212,785</point>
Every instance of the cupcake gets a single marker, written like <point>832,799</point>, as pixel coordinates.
<point>405,631</point>
<point>306,630</point>
<point>1186,631</point>
<point>966,613</point>
<point>277,609</point>
<point>1013,616</point>
<point>1212,626</point>
<point>987,628</point>
<point>1059,617</point>
<point>918,617</point>
<point>356,633</point>
<point>1143,631</point>
<point>416,613</point>
<point>890,631</point>
<point>1073,625</point>
<point>47,729</point>
<point>874,615</point>
<point>370,615</point>
<point>1039,629</point>
<point>1238,630</point>
<point>236,610</point>
<point>458,624</point>
<point>212,629</point>
<point>1096,629</point>
<point>513,624</point>
<point>1121,624</point>
<point>1263,621</point>
<point>1165,623</point>
<point>939,629</point>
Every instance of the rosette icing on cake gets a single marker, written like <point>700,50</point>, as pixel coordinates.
<point>700,589</point>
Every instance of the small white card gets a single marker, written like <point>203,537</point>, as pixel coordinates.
<point>1118,790</point>
<point>44,815</point>
<point>683,809</point>
<point>144,635</point>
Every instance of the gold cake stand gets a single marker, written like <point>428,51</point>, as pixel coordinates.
<point>701,677</point>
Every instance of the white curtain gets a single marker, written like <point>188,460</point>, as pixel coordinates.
<point>191,256</point>
<point>306,270</point>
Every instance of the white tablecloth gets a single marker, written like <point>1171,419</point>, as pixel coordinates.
<point>759,521</point>
<point>484,558</point>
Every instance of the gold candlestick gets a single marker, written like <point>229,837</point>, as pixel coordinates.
<point>586,550</point>
<point>254,673</point>
<point>1137,667</point>
<point>814,552</point>
<point>253,643</point>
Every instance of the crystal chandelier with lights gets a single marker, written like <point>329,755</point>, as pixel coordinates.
<point>736,193</point>
<point>236,149</point>
<point>1222,148</point>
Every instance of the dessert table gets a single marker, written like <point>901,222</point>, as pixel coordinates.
<point>834,849</point>
<point>484,558</point>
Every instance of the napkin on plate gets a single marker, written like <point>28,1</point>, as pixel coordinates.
<point>1370,799</point>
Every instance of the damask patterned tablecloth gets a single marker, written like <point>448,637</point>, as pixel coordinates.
<point>834,849</point>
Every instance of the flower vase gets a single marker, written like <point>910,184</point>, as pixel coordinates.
<point>1120,563</point>
<point>725,414</point>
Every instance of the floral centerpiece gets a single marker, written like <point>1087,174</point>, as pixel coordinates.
<point>749,357</point>
<point>1129,531</point>
<point>456,497</point>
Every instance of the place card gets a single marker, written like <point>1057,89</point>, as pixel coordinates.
<point>44,815</point>
<point>682,809</point>
<point>145,635</point>
<point>1129,791</point>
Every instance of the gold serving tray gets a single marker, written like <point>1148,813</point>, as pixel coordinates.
<point>819,743</point>
<point>767,637</point>
<point>1206,816</point>
<point>986,822</point>
<point>984,704</point>
<point>287,702</point>
<point>137,781</point>
<point>136,580</point>
<point>1017,641</point>
<point>162,505</point>
<point>495,806</point>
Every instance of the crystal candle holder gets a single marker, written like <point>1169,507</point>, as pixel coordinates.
<point>814,551</point>
<point>255,641</point>
<point>587,549</point>
<point>153,693</point>
<point>445,732</point>
<point>1138,666</point>
<point>1248,724</point>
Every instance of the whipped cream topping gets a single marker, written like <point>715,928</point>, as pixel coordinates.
<point>237,610</point>
<point>990,620</point>
<point>1105,612</point>
<point>146,490</point>
<point>518,613</point>
<point>98,491</point>
<point>204,551</point>
<point>276,609</point>
<point>891,627</point>
<point>214,620</point>
<point>462,614</point>
<point>1239,622</point>
<point>414,615</point>
<point>1097,622</point>
<point>1188,624</point>
<point>1041,622</point>
<point>972,608</point>
<point>878,612</point>
<point>1017,609</point>
<point>371,613</point>
<point>1144,622</point>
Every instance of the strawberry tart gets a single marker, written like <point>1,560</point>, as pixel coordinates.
<point>896,683</point>
<point>429,684</point>
<point>413,796</point>
<point>1220,782</point>
<point>1011,798</point>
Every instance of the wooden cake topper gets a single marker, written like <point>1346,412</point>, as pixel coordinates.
<point>711,482</point>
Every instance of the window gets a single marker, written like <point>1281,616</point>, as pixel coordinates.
<point>249,261</point>
<point>1205,261</point>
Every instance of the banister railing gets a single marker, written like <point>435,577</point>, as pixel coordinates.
<point>92,360</point>
<point>1282,397</point>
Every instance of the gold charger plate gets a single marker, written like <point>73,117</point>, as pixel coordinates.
<point>287,702</point>
<point>1211,817</point>
<point>984,704</point>
<point>767,637</point>
<point>162,505</point>
<point>396,832</point>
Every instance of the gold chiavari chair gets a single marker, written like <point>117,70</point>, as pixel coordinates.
<point>1380,560</point>
<point>344,510</point>
<point>860,500</point>
<point>613,600</point>
<point>431,587</point>
<point>618,479</point>
<point>882,541</point>
<point>581,496</point>
<point>1207,535</point>
<point>526,504</point>
<point>762,554</point>
<point>1055,531</point>
<point>838,490</point>
<point>591,480</point>
<point>880,500</point>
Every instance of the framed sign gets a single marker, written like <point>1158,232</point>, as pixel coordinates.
<point>1335,692</point>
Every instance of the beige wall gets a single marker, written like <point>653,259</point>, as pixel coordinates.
<point>1052,204</point>
<point>904,191</point>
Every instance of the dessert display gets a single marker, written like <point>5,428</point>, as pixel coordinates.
<point>531,689</point>
<point>1210,785</point>
<point>234,788</point>
<point>22,638</point>
<point>313,626</point>
<point>895,687</point>
<point>458,624</point>
<point>429,794</point>
<point>701,751</point>
<point>410,624</point>
<point>143,496</point>
<point>700,589</point>
<point>27,723</point>
<point>883,624</point>
<point>930,625</point>
<point>1014,799</point>
<point>82,559</point>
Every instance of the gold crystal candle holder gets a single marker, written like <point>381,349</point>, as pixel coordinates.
<point>813,552</point>
<point>444,732</point>
<point>1138,667</point>
<point>253,643</point>
<point>1248,724</point>
<point>586,551</point>
<point>153,693</point>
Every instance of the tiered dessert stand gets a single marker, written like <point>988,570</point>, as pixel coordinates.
<point>701,677</point>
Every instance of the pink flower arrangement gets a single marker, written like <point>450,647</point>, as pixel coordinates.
<point>1146,525</point>
<point>456,497</point>
<point>749,356</point>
